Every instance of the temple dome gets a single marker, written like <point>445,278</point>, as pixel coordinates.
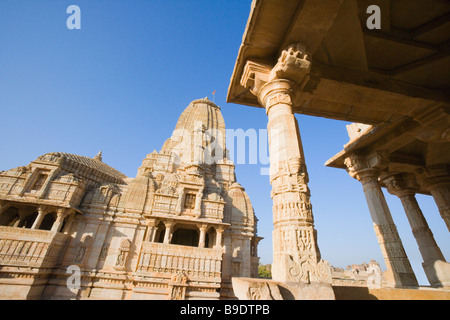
<point>139,196</point>
<point>241,210</point>
<point>201,114</point>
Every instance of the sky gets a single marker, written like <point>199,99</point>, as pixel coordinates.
<point>120,82</point>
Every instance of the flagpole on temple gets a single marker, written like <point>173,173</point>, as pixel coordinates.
<point>214,95</point>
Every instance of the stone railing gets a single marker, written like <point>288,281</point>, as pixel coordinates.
<point>68,193</point>
<point>165,203</point>
<point>202,264</point>
<point>212,209</point>
<point>30,248</point>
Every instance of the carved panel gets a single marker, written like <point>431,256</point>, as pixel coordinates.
<point>197,263</point>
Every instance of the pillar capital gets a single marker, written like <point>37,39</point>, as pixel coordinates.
<point>220,229</point>
<point>43,210</point>
<point>152,222</point>
<point>436,175</point>
<point>366,167</point>
<point>61,212</point>
<point>202,227</point>
<point>293,66</point>
<point>401,185</point>
<point>437,180</point>
<point>169,223</point>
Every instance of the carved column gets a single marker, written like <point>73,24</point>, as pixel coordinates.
<point>437,180</point>
<point>42,211</point>
<point>219,233</point>
<point>151,230</point>
<point>60,216</point>
<point>366,170</point>
<point>168,234</point>
<point>201,240</point>
<point>405,187</point>
<point>296,256</point>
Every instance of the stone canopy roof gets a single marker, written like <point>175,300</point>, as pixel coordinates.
<point>91,166</point>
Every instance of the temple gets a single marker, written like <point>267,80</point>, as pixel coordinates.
<point>181,229</point>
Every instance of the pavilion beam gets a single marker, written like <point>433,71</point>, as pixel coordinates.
<point>390,37</point>
<point>311,23</point>
<point>419,63</point>
<point>431,25</point>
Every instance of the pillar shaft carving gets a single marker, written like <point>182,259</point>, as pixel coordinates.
<point>404,186</point>
<point>366,168</point>
<point>201,241</point>
<point>296,256</point>
<point>151,230</point>
<point>61,214</point>
<point>42,211</point>
<point>168,233</point>
<point>437,180</point>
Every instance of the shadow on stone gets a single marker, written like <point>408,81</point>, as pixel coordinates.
<point>265,289</point>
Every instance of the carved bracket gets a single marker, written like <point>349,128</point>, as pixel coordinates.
<point>293,65</point>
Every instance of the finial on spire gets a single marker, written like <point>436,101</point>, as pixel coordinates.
<point>98,156</point>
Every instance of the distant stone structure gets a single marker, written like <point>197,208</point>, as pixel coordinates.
<point>181,229</point>
<point>359,275</point>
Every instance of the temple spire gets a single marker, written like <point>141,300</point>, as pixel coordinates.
<point>98,156</point>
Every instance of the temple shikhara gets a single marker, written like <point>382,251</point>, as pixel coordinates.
<point>181,229</point>
<point>184,228</point>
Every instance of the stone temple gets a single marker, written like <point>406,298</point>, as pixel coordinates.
<point>72,227</point>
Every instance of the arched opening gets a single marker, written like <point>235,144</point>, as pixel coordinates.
<point>10,218</point>
<point>160,232</point>
<point>28,221</point>
<point>185,236</point>
<point>48,221</point>
<point>210,238</point>
<point>63,225</point>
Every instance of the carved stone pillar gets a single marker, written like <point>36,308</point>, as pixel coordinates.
<point>404,186</point>
<point>61,214</point>
<point>201,240</point>
<point>42,211</point>
<point>151,230</point>
<point>168,234</point>
<point>219,233</point>
<point>366,170</point>
<point>296,256</point>
<point>437,180</point>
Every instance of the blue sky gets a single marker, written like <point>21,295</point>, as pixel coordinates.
<point>120,83</point>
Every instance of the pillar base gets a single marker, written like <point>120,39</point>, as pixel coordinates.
<point>267,289</point>
<point>438,273</point>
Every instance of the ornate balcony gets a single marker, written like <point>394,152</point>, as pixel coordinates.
<point>22,247</point>
<point>199,264</point>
